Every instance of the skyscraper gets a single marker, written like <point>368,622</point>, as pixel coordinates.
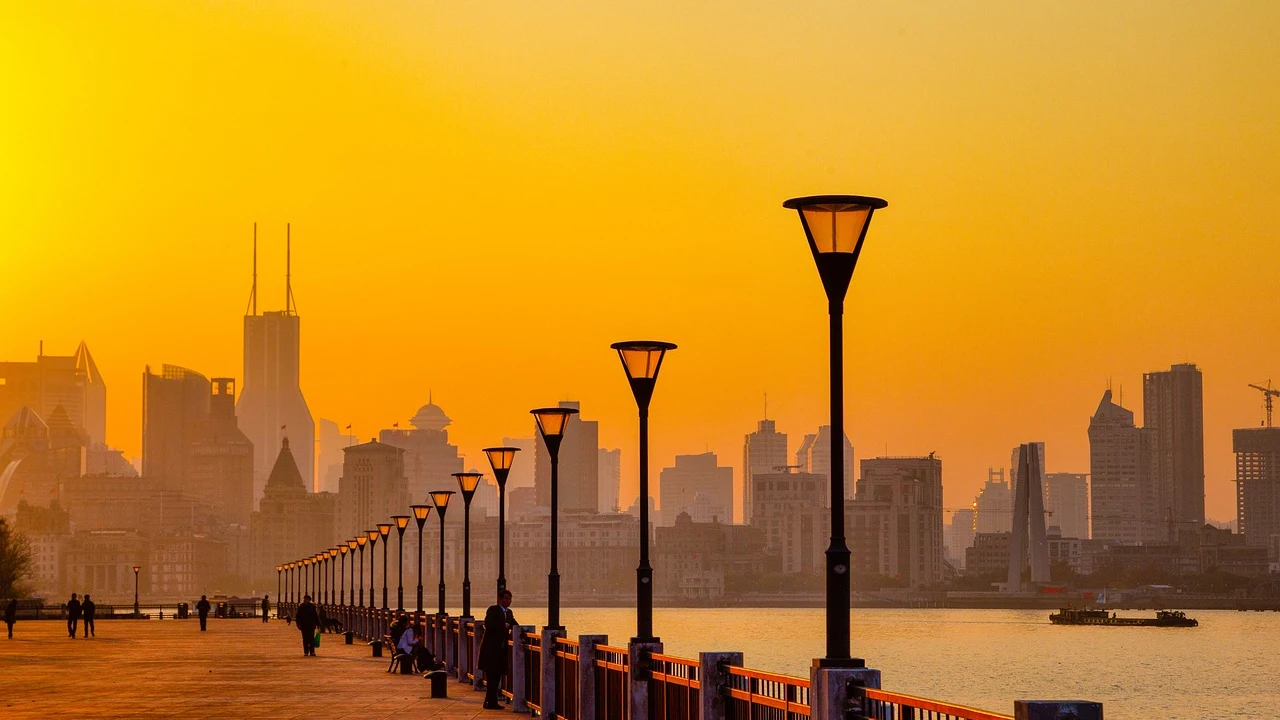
<point>814,456</point>
<point>993,508</point>
<point>764,451</point>
<point>271,405</point>
<point>579,460</point>
<point>895,520</point>
<point>72,382</point>
<point>1029,539</point>
<point>959,536</point>
<point>1258,487</point>
<point>219,464</point>
<point>1173,409</point>
<point>1066,497</point>
<point>172,403</point>
<point>1124,501</point>
<point>610,468</point>
<point>373,487</point>
<point>429,458</point>
<point>696,480</point>
<point>329,455</point>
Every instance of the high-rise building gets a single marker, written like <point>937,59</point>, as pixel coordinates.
<point>791,509</point>
<point>1173,410</point>
<point>610,468</point>
<point>1124,498</point>
<point>959,536</point>
<point>764,451</point>
<point>172,403</point>
<point>329,455</point>
<point>894,522</point>
<point>1258,487</point>
<point>36,456</point>
<point>291,522</point>
<point>993,508</point>
<point>219,465</point>
<point>1030,540</point>
<point>429,459</point>
<point>579,458</point>
<point>814,456</point>
<point>1066,498</point>
<point>271,406</point>
<point>373,487</point>
<point>521,475</point>
<point>72,382</point>
<point>696,482</point>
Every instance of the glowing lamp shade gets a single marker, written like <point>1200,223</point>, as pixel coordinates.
<point>333,552</point>
<point>344,549</point>
<point>362,541</point>
<point>468,482</point>
<point>642,358</point>
<point>500,458</point>
<point>420,512</point>
<point>835,223</point>
<point>137,568</point>
<point>353,544</point>
<point>441,499</point>
<point>384,529</point>
<point>279,568</point>
<point>552,421</point>
<point>402,521</point>
<point>372,535</point>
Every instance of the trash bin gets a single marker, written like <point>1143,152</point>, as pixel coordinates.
<point>183,609</point>
<point>351,637</point>
<point>377,648</point>
<point>439,683</point>
<point>406,665</point>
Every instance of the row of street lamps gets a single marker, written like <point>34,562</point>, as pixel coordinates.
<point>835,227</point>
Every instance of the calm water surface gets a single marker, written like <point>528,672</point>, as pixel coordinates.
<point>1229,667</point>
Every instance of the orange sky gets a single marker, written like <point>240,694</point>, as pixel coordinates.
<point>485,195</point>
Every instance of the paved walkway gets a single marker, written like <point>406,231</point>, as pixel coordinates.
<point>237,669</point>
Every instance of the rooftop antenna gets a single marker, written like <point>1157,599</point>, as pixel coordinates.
<point>766,405</point>
<point>288,270</point>
<point>253,292</point>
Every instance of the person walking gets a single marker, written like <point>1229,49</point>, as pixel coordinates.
<point>73,615</point>
<point>493,648</point>
<point>11,615</point>
<point>266,606</point>
<point>89,609</point>
<point>307,620</point>
<point>202,609</point>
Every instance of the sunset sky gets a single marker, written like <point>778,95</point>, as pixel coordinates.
<point>485,195</point>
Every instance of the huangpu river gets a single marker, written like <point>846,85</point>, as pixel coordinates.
<point>1229,667</point>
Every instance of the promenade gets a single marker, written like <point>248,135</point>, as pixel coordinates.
<point>237,669</point>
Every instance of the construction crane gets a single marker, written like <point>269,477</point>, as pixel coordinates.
<point>1267,394</point>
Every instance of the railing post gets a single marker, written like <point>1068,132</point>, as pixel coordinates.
<point>638,676</point>
<point>1056,710</point>
<point>713,674</point>
<point>834,692</point>
<point>549,636</point>
<point>476,673</point>
<point>587,690</point>
<point>442,639</point>
<point>518,665</point>
<point>464,648</point>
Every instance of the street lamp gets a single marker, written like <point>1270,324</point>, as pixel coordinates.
<point>373,540</point>
<point>642,359</point>
<point>334,579</point>
<point>551,424</point>
<point>420,513</point>
<point>289,581</point>
<point>279,584</point>
<point>402,522</point>
<point>441,500</point>
<point>136,568</point>
<point>342,574</point>
<point>835,226</point>
<point>384,529</point>
<point>467,482</point>
<point>352,545</point>
<point>363,540</point>
<point>500,459</point>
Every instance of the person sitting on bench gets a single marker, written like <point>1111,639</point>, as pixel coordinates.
<point>410,643</point>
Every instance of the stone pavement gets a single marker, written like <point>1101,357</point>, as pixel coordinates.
<point>237,669</point>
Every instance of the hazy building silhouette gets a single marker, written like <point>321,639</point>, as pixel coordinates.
<point>697,485</point>
<point>219,463</point>
<point>1124,502</point>
<point>271,405</point>
<point>47,530</point>
<point>1066,498</point>
<point>329,455</point>
<point>1173,410</point>
<point>373,487</point>
<point>71,382</point>
<point>579,459</point>
<point>610,469</point>
<point>706,560</point>
<point>791,508</point>
<point>894,521</point>
<point>1258,487</point>
<point>763,450</point>
<point>291,522</point>
<point>35,456</point>
<point>1030,540</point>
<point>959,536</point>
<point>993,507</point>
<point>429,459</point>
<point>172,403</point>
<point>814,456</point>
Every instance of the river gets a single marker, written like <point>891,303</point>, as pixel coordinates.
<point>1229,667</point>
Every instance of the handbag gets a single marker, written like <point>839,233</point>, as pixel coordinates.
<point>316,642</point>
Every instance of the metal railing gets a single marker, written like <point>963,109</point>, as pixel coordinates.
<point>675,688</point>
<point>883,705</point>
<point>533,671</point>
<point>612,676</point>
<point>755,695</point>
<point>566,658</point>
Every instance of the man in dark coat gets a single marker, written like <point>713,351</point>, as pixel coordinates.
<point>266,606</point>
<point>493,648</point>
<point>11,615</point>
<point>307,619</point>
<point>202,609</point>
<point>89,609</point>
<point>73,615</point>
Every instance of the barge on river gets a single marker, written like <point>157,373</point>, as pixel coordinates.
<point>1163,618</point>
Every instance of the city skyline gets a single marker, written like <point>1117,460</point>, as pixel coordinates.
<point>1048,162</point>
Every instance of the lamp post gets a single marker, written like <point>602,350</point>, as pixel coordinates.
<point>334,578</point>
<point>441,500</point>
<point>279,584</point>
<point>373,541</point>
<point>420,513</point>
<point>641,360</point>
<point>384,529</point>
<point>500,459</point>
<point>342,574</point>
<point>288,581</point>
<point>835,226</point>
<point>551,424</point>
<point>352,545</point>
<point>136,569</point>
<point>361,541</point>
<point>467,482</point>
<point>402,522</point>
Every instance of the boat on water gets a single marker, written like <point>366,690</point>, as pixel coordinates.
<point>1163,618</point>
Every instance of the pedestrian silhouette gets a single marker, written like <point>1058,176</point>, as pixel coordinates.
<point>73,615</point>
<point>308,620</point>
<point>266,606</point>
<point>202,608</point>
<point>11,615</point>
<point>89,609</point>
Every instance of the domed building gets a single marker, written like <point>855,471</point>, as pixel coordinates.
<point>429,459</point>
